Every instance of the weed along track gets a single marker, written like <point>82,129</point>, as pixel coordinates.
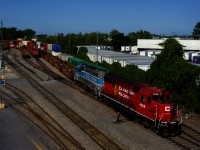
<point>97,136</point>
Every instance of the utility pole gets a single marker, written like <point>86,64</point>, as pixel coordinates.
<point>2,50</point>
<point>1,35</point>
<point>2,82</point>
<point>97,48</point>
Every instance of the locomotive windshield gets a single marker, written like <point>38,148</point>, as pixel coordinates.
<point>163,99</point>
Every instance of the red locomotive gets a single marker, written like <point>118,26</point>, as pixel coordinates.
<point>151,106</point>
<point>32,49</point>
<point>4,44</point>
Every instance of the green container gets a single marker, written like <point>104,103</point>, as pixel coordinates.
<point>75,61</point>
<point>97,67</point>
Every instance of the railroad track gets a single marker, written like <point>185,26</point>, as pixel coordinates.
<point>31,110</point>
<point>189,138</point>
<point>103,141</point>
<point>42,67</point>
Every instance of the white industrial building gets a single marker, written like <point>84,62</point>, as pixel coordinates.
<point>147,44</point>
<point>150,47</point>
<point>146,51</point>
<point>100,47</point>
<point>142,62</point>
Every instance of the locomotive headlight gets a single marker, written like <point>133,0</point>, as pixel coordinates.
<point>167,108</point>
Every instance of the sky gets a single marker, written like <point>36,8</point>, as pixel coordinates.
<point>165,17</point>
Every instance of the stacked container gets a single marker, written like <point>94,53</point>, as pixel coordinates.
<point>195,54</point>
<point>56,50</point>
<point>196,59</point>
<point>40,45</point>
<point>45,46</point>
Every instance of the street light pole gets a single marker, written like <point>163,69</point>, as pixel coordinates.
<point>97,48</point>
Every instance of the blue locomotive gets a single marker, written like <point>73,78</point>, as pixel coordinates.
<point>90,75</point>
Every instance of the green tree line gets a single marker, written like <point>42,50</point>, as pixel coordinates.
<point>13,33</point>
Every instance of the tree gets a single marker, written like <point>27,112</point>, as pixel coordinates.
<point>82,53</point>
<point>172,72</point>
<point>139,35</point>
<point>196,31</point>
<point>118,40</point>
<point>114,68</point>
<point>29,33</point>
<point>10,33</point>
<point>133,73</point>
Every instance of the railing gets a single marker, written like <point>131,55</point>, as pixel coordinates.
<point>156,114</point>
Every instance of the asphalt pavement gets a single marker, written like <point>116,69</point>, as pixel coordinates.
<point>16,133</point>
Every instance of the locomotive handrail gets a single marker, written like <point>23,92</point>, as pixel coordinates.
<point>156,114</point>
<point>179,114</point>
<point>160,120</point>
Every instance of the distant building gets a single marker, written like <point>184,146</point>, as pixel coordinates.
<point>142,62</point>
<point>153,44</point>
<point>150,47</point>
<point>94,47</point>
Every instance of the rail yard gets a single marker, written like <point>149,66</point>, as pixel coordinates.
<point>67,115</point>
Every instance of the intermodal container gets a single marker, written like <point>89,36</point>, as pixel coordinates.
<point>75,61</point>
<point>45,46</point>
<point>49,47</point>
<point>56,48</point>
<point>196,59</point>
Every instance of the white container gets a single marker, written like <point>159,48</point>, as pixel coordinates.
<point>188,55</point>
<point>55,53</point>
<point>152,52</point>
<point>194,54</point>
<point>49,47</point>
<point>123,48</point>
<point>25,42</point>
<point>143,53</point>
<point>21,44</point>
<point>128,48</point>
<point>39,44</point>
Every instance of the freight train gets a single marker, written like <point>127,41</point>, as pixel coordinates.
<point>149,105</point>
<point>35,49</point>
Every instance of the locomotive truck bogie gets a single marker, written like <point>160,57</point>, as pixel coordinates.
<point>170,129</point>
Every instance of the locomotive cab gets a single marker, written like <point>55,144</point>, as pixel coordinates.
<point>168,118</point>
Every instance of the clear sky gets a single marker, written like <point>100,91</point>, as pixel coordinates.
<point>86,16</point>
